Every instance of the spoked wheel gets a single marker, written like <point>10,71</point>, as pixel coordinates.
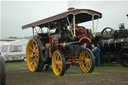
<point>108,31</point>
<point>87,62</point>
<point>33,54</point>
<point>58,63</point>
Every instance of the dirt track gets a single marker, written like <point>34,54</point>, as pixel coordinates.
<point>111,74</point>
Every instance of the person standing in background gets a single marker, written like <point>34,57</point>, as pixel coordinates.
<point>96,52</point>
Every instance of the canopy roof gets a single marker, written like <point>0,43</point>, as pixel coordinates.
<point>81,15</point>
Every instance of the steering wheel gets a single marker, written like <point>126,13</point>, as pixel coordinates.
<point>108,31</point>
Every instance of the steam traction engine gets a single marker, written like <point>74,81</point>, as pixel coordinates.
<point>59,41</point>
<point>114,45</point>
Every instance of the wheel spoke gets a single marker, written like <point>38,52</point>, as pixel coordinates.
<point>32,61</point>
<point>60,63</point>
<point>34,48</point>
<point>58,57</point>
<point>36,54</point>
<point>33,44</point>
<point>29,55</point>
<point>106,31</point>
<point>59,70</point>
<point>31,49</point>
<point>36,58</point>
<point>35,65</point>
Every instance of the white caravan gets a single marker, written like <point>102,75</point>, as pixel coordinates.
<point>15,50</point>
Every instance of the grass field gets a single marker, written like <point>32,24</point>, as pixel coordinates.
<point>17,73</point>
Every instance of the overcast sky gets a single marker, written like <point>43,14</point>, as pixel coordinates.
<point>15,14</point>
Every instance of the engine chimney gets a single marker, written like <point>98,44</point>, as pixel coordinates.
<point>121,26</point>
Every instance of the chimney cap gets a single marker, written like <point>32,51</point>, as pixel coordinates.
<point>71,8</point>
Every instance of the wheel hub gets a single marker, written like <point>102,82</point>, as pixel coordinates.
<point>87,61</point>
<point>56,63</point>
<point>33,54</point>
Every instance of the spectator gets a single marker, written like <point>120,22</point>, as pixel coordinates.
<point>84,45</point>
<point>96,52</point>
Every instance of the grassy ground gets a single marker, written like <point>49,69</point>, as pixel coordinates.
<point>17,73</point>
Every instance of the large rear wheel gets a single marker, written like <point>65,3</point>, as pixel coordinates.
<point>34,54</point>
<point>58,63</point>
<point>87,62</point>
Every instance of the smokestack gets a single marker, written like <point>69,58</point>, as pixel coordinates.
<point>71,8</point>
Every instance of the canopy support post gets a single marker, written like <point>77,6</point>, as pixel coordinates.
<point>55,25</point>
<point>41,30</point>
<point>68,21</point>
<point>33,31</point>
<point>48,30</point>
<point>93,25</point>
<point>96,26</point>
<point>74,26</point>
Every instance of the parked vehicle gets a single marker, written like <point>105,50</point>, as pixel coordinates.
<point>14,51</point>
<point>4,41</point>
<point>2,71</point>
<point>63,44</point>
<point>114,45</point>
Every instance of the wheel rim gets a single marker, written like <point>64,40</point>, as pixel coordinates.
<point>105,31</point>
<point>57,63</point>
<point>32,55</point>
<point>85,61</point>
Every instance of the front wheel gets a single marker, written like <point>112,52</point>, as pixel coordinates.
<point>86,61</point>
<point>58,63</point>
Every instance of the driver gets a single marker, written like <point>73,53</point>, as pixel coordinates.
<point>65,34</point>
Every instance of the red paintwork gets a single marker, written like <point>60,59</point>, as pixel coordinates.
<point>81,31</point>
<point>81,36</point>
<point>102,36</point>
